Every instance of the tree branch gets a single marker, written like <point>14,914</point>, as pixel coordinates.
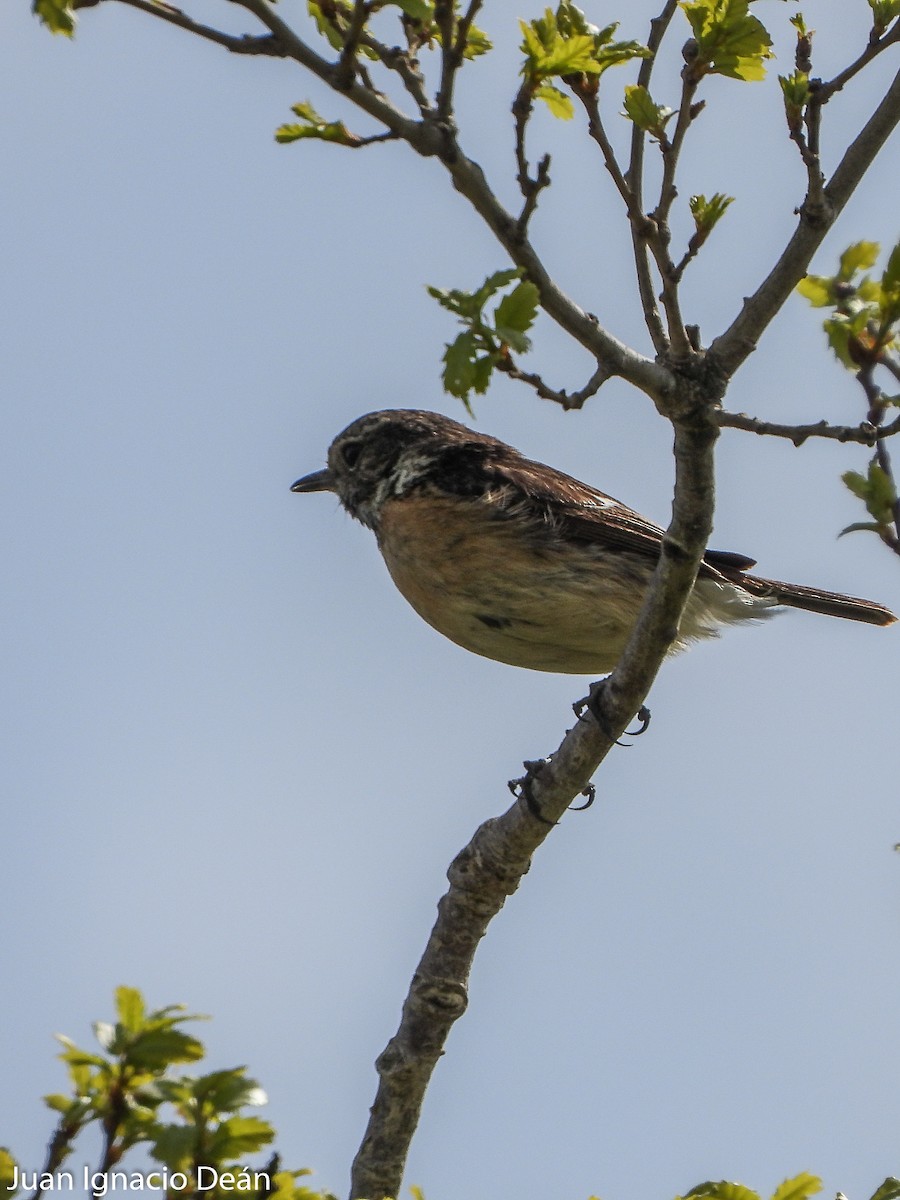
<point>490,868</point>
<point>568,400</point>
<point>237,44</point>
<point>635,179</point>
<point>872,50</point>
<point>739,341</point>
<point>865,433</point>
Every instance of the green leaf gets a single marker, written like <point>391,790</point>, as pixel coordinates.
<point>57,15</point>
<point>239,1136</point>
<point>314,126</point>
<point>795,89</point>
<point>227,1091</point>
<point>799,1188</point>
<point>157,1049</point>
<point>515,314</point>
<point>721,1190</point>
<point>876,490</point>
<point>558,102</point>
<point>858,527</point>
<point>858,257</point>
<point>729,41</point>
<point>640,108</point>
<point>459,366</point>
<point>173,1145</point>
<point>883,12</point>
<point>326,27</point>
<point>130,1008</point>
<point>707,213</point>
<point>8,1168</point>
<point>799,24</point>
<point>890,1189</point>
<point>816,289</point>
<point>420,10</point>
<point>477,43</point>
<point>550,55</point>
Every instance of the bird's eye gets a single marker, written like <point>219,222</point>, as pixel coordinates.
<point>350,453</point>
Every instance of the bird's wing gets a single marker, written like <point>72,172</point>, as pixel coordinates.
<point>586,515</point>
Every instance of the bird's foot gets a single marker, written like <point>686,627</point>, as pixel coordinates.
<point>591,703</point>
<point>521,789</point>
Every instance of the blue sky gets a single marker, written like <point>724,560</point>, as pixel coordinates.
<point>236,765</point>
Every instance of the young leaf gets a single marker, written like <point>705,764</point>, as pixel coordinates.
<point>721,1190</point>
<point>816,289</point>
<point>795,89</point>
<point>707,213</point>
<point>57,15</point>
<point>883,12</point>
<point>799,1188</point>
<point>640,108</point>
<point>889,1190</point>
<point>876,490</point>
<point>130,1008</point>
<point>558,102</point>
<point>239,1136</point>
<point>858,257</point>
<point>420,10</point>
<point>515,314</point>
<point>459,366</point>
<point>314,126</point>
<point>8,1172</point>
<point>729,41</point>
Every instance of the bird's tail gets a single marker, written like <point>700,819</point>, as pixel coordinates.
<point>830,604</point>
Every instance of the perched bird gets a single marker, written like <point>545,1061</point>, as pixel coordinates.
<point>523,564</point>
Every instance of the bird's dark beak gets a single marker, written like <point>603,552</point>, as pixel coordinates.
<point>319,481</point>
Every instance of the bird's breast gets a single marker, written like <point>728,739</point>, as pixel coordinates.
<point>510,589</point>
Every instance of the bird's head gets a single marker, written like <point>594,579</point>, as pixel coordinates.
<point>387,454</point>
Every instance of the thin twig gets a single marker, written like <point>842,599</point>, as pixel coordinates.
<point>807,142</point>
<point>739,340</point>
<point>567,400</point>
<point>878,405</point>
<point>891,364</point>
<point>245,43</point>
<point>872,50</point>
<point>346,68</point>
<point>598,134</point>
<point>866,433</point>
<point>453,51</point>
<point>635,179</point>
<point>659,246</point>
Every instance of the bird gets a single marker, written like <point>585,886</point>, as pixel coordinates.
<point>521,563</point>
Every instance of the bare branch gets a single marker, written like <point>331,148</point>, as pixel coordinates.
<point>872,50</point>
<point>567,400</point>
<point>346,68</point>
<point>490,868</point>
<point>659,246</point>
<point>808,145</point>
<point>237,44</point>
<point>530,185</point>
<point>589,99</point>
<point>732,347</point>
<point>866,433</point>
<point>635,179</point>
<point>878,405</point>
<point>418,134</point>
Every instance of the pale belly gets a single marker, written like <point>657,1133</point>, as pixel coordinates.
<point>568,611</point>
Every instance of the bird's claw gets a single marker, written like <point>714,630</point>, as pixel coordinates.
<point>521,789</point>
<point>591,703</point>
